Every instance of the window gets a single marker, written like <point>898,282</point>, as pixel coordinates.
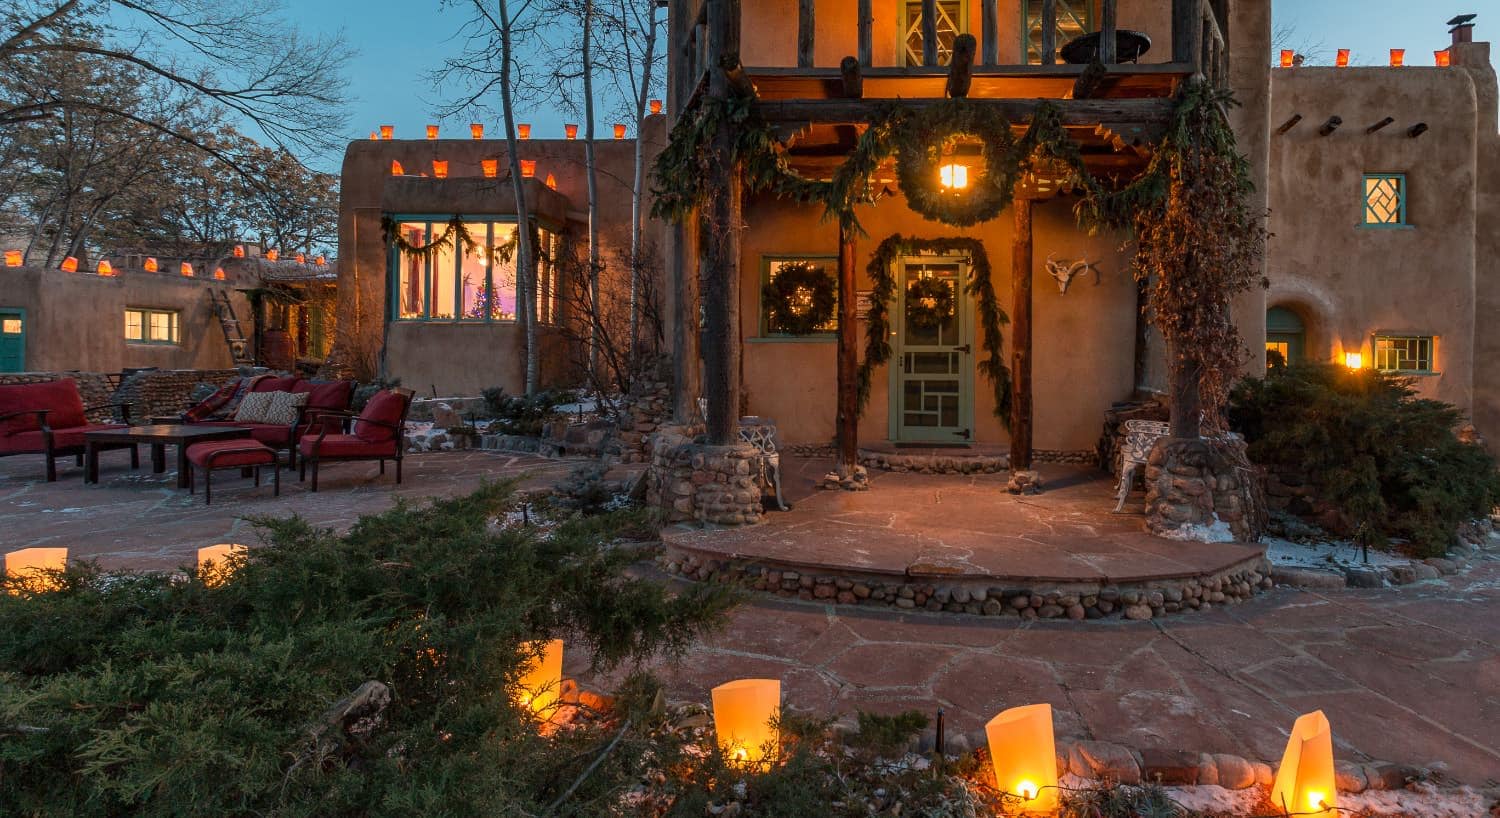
<point>951,22</point>
<point>459,283</point>
<point>1405,353</point>
<point>148,326</point>
<point>1385,199</point>
<point>827,265</point>
<point>1074,19</point>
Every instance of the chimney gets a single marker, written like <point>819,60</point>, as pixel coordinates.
<point>1462,28</point>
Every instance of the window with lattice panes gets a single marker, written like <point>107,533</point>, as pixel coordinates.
<point>1074,19</point>
<point>1384,199</point>
<point>1405,353</point>
<point>951,22</point>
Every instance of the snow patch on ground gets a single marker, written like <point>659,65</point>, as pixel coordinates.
<point>1464,802</point>
<point>1219,531</point>
<point>1216,800</point>
<point>1336,554</point>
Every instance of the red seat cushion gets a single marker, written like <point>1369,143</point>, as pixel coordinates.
<point>234,453</point>
<point>275,435</point>
<point>386,407</point>
<point>61,396</point>
<point>61,438</point>
<point>273,383</point>
<point>326,394</point>
<point>334,446</point>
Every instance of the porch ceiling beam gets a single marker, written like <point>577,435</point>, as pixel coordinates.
<point>1018,111</point>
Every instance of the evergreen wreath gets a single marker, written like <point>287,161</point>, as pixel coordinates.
<point>929,303</point>
<point>921,143</point>
<point>798,299</point>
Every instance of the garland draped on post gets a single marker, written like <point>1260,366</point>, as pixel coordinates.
<point>979,285</point>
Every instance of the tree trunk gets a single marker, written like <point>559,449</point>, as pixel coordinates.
<point>848,355</point>
<point>1187,403</point>
<point>720,240</point>
<point>593,186</point>
<point>525,253</point>
<point>635,191</point>
<point>1020,339</point>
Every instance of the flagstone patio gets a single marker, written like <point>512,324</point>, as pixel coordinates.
<point>139,520</point>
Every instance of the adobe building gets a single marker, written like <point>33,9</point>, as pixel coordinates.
<point>446,322</point>
<point>1385,209</point>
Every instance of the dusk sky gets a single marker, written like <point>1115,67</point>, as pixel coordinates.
<point>399,42</point>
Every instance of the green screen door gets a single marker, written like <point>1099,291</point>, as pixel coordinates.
<point>933,371</point>
<point>12,339</point>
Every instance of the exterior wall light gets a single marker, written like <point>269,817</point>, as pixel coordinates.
<point>1354,360</point>
<point>619,131</point>
<point>440,168</point>
<point>105,268</point>
<point>387,131</point>
<point>655,107</point>
<point>954,177</point>
<point>12,258</point>
<point>432,132</point>
<point>552,181</point>
<point>541,678</point>
<point>1442,59</point>
<point>396,169</point>
<point>570,131</point>
<point>1304,783</point>
<point>273,254</point>
<point>1287,56</point>
<point>528,168</point>
<point>523,130</point>
<point>239,251</point>
<point>301,258</point>
<point>32,566</point>
<point>321,260</point>
<point>70,265</point>
<point>1398,57</point>
<point>1024,755</point>
<point>219,274</point>
<point>374,136</point>
<point>186,269</point>
<point>491,167</point>
<point>476,131</point>
<point>149,265</point>
<point>1342,60</point>
<point>217,562</point>
<point>744,712</point>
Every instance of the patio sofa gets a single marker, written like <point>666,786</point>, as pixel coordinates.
<point>322,396</point>
<point>49,418</point>
<point>377,434</point>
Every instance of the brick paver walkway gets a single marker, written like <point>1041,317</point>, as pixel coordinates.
<point>140,520</point>
<point>1409,675</point>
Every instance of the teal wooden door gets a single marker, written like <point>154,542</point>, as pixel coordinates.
<point>12,339</point>
<point>932,396</point>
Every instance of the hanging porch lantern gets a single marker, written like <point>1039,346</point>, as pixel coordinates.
<point>70,265</point>
<point>1304,782</point>
<point>187,269</point>
<point>491,167</point>
<point>396,169</point>
<point>476,131</point>
<point>219,274</point>
<point>12,258</point>
<point>440,168</point>
<point>541,678</point>
<point>387,131</point>
<point>216,562</point>
<point>655,106</point>
<point>619,130</point>
<point>1024,755</point>
<point>528,168</point>
<point>239,251</point>
<point>149,265</point>
<point>32,566</point>
<point>743,714</point>
<point>105,268</point>
<point>570,131</point>
<point>523,130</point>
<point>1442,59</point>
<point>1398,57</point>
<point>432,132</point>
<point>1342,60</point>
<point>552,181</point>
<point>954,176</point>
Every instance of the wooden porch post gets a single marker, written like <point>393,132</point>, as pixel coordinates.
<point>1186,29</point>
<point>1049,33</point>
<point>805,32</point>
<point>866,39</point>
<point>991,47</point>
<point>848,355</point>
<point>1020,340</point>
<point>929,32</point>
<point>720,238</point>
<point>1107,32</point>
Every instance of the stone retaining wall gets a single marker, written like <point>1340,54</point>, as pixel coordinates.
<point>94,387</point>
<point>692,481</point>
<point>1145,600</point>
<point>1203,489</point>
<point>154,392</point>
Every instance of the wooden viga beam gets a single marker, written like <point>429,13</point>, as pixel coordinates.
<point>1156,112</point>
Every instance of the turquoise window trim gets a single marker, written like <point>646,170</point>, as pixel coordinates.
<point>175,324</point>
<point>437,221</point>
<point>1427,342</point>
<point>765,278</point>
<point>1364,202</point>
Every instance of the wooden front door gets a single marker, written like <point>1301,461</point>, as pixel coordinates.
<point>932,377</point>
<point>12,339</point>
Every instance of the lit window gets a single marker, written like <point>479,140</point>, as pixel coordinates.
<point>1404,353</point>
<point>148,326</point>
<point>827,265</point>
<point>460,283</point>
<point>1073,20</point>
<point>10,326</point>
<point>1385,199</point>
<point>950,23</point>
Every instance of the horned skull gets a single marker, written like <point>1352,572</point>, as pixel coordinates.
<point>1065,271</point>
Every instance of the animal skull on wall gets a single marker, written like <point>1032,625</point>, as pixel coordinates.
<point>1065,271</point>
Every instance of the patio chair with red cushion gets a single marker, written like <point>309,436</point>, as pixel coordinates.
<point>49,418</point>
<point>377,434</point>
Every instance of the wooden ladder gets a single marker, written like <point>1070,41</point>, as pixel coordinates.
<point>234,335</point>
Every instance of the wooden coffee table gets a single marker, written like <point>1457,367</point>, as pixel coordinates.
<point>158,437</point>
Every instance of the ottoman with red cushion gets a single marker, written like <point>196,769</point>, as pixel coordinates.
<point>245,453</point>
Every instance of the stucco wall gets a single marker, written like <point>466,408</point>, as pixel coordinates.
<point>1348,281</point>
<point>1083,340</point>
<point>426,354</point>
<point>77,320</point>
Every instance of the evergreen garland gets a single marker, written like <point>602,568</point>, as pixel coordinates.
<point>456,231</point>
<point>782,296</point>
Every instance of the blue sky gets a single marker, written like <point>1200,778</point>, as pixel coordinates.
<point>399,42</point>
